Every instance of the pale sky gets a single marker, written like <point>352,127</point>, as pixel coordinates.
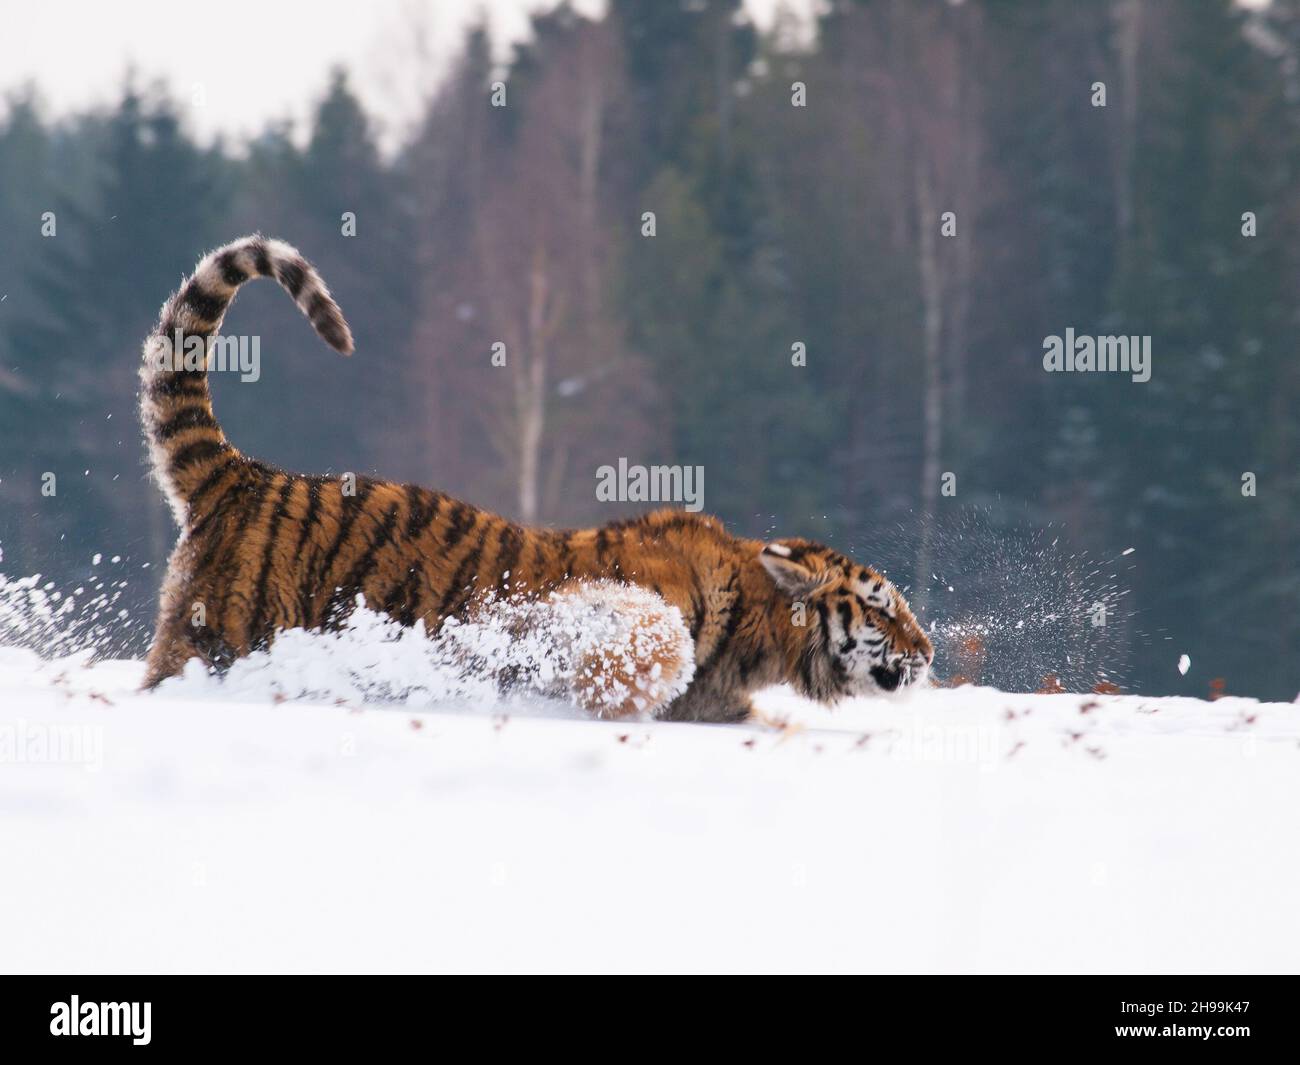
<point>238,63</point>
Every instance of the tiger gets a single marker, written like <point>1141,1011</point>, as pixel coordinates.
<point>262,550</point>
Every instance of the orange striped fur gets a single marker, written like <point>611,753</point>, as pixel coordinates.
<point>262,550</point>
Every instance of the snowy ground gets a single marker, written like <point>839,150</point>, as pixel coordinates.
<point>209,829</point>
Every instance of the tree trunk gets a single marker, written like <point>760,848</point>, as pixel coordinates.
<point>531,391</point>
<point>1128,18</point>
<point>932,338</point>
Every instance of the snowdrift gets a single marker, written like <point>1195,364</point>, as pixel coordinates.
<point>210,827</point>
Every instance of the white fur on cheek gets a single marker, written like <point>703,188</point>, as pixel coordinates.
<point>862,657</point>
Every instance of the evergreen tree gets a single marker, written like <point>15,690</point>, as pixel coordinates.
<point>339,202</point>
<point>706,299</point>
<point>118,243</point>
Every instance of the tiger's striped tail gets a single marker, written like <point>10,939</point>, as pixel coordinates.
<point>186,445</point>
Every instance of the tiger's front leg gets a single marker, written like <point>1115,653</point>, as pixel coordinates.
<point>616,650</point>
<point>706,702</point>
<point>632,653</point>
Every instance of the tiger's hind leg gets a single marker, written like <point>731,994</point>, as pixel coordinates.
<point>631,652</point>
<point>166,659</point>
<point>177,641</point>
<point>184,629</point>
<point>167,656</point>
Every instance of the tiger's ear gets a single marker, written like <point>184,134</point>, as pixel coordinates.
<point>793,578</point>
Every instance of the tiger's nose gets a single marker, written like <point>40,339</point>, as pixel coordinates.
<point>888,679</point>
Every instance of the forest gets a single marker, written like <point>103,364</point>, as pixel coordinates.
<point>823,268</point>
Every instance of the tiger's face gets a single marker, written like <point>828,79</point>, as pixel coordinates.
<point>859,635</point>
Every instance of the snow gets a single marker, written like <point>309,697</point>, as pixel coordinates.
<point>211,827</point>
<point>600,644</point>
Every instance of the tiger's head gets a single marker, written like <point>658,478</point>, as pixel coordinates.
<point>855,634</point>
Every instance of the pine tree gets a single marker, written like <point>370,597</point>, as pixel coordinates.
<point>121,242</point>
<point>339,202</point>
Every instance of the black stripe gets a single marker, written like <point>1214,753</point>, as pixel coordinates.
<point>348,519</point>
<point>249,509</point>
<point>511,545</point>
<point>567,557</point>
<point>179,383</point>
<point>332,330</point>
<point>206,485</point>
<point>412,594</point>
<point>259,602</point>
<point>261,259</point>
<point>214,542</point>
<point>195,417</point>
<point>192,454</point>
<point>207,306</point>
<point>423,507</point>
<point>309,519</point>
<point>749,662</point>
<point>460,589</point>
<point>363,567</point>
<point>392,598</point>
<point>342,597</point>
<point>306,589</point>
<point>319,307</point>
<point>253,506</point>
<point>399,602</point>
<point>734,613</point>
<point>458,525</point>
<point>604,544</point>
<point>697,607</point>
<point>231,272</point>
<point>292,275</point>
